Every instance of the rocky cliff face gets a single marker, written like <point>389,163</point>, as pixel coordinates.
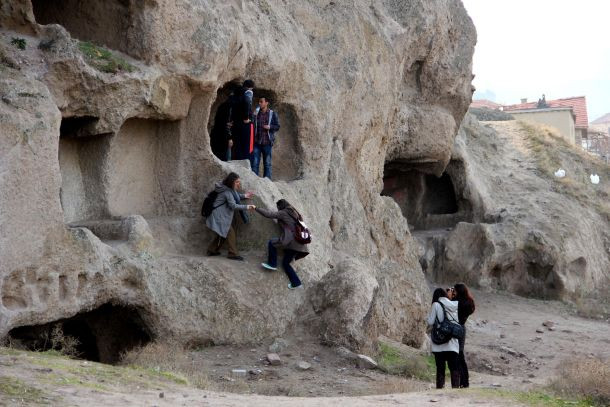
<point>528,231</point>
<point>105,161</point>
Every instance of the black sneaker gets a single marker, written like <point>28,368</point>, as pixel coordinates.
<point>213,254</point>
<point>238,258</point>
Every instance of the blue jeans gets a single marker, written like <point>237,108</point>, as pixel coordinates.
<point>288,257</point>
<point>255,159</point>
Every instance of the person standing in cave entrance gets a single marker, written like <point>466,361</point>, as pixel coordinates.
<point>221,137</point>
<point>222,220</point>
<point>242,122</point>
<point>266,124</point>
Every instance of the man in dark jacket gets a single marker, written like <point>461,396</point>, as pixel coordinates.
<point>266,124</point>
<point>243,128</point>
<point>221,139</point>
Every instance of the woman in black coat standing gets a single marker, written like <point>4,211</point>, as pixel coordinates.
<point>465,309</point>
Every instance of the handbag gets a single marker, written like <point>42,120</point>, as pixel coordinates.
<point>442,332</point>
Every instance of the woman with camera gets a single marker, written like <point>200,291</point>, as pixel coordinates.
<point>446,353</point>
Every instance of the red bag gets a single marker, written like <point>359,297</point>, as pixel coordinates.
<point>251,138</point>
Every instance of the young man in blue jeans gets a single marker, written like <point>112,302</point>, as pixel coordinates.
<point>266,125</point>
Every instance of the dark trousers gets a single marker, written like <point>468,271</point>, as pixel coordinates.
<point>288,257</point>
<point>462,366</point>
<point>451,358</point>
<point>255,159</point>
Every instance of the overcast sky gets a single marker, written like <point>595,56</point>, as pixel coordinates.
<point>529,47</point>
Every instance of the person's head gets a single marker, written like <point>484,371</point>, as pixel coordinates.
<point>263,103</point>
<point>462,293</point>
<point>451,293</point>
<point>249,84</point>
<point>232,181</point>
<point>282,204</point>
<point>438,293</point>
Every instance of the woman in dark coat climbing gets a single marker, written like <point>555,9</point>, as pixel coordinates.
<point>287,218</point>
<point>465,308</point>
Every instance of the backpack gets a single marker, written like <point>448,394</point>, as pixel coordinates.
<point>208,204</point>
<point>442,332</point>
<point>301,232</point>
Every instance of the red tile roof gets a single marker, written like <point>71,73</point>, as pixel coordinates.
<point>485,104</point>
<point>578,105</point>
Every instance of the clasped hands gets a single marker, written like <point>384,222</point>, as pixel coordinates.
<point>249,195</point>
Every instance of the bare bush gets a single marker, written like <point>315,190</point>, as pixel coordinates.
<point>584,378</point>
<point>65,344</point>
<point>167,357</point>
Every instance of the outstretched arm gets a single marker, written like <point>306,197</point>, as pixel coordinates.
<point>267,213</point>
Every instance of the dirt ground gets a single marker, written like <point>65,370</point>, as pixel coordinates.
<point>508,348</point>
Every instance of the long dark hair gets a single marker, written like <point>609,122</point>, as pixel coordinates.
<point>230,180</point>
<point>463,295</point>
<point>438,293</point>
<point>283,204</point>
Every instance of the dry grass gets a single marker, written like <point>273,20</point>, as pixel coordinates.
<point>552,152</point>
<point>584,378</point>
<point>167,357</point>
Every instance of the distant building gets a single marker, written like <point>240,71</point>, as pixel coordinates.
<point>568,115</point>
<point>487,104</point>
<point>598,137</point>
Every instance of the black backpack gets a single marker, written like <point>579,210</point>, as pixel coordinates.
<point>208,204</point>
<point>442,332</point>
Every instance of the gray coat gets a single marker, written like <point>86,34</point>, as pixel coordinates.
<point>221,218</point>
<point>286,239</point>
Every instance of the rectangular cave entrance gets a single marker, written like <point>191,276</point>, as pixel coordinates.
<point>116,24</point>
<point>106,177</point>
<point>286,165</point>
<point>427,201</point>
<point>101,335</point>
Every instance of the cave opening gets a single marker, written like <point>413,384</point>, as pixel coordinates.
<point>105,177</point>
<point>101,335</point>
<point>286,149</point>
<point>81,161</point>
<point>116,24</point>
<point>427,201</point>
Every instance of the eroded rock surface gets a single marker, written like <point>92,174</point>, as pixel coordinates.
<point>531,233</point>
<point>103,173</point>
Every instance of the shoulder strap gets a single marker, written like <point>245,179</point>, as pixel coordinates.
<point>270,116</point>
<point>447,316</point>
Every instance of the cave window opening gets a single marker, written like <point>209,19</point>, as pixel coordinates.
<point>101,335</point>
<point>286,153</point>
<point>108,176</point>
<point>81,155</point>
<point>425,200</point>
<point>110,23</point>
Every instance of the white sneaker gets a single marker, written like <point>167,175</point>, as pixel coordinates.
<point>290,287</point>
<point>268,267</point>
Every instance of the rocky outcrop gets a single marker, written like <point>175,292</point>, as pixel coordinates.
<point>106,159</point>
<point>532,233</point>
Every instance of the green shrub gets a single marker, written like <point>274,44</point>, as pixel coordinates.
<point>19,43</point>
<point>102,59</point>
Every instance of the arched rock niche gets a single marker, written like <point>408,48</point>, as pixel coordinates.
<point>116,24</point>
<point>286,150</point>
<point>427,201</point>
<point>106,176</point>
